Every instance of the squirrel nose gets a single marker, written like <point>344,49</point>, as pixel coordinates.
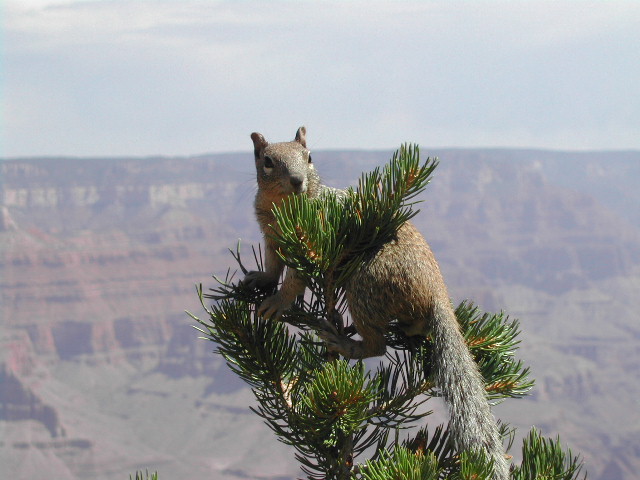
<point>296,180</point>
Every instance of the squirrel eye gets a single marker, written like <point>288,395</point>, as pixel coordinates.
<point>268,162</point>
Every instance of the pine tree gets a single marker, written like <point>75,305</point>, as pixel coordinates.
<point>334,412</point>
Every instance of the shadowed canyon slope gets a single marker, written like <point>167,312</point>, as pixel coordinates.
<point>101,372</point>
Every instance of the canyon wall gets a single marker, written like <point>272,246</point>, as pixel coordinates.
<point>102,373</point>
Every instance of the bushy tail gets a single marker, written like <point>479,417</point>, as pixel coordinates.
<point>457,375</point>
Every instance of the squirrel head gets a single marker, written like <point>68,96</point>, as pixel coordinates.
<point>283,168</point>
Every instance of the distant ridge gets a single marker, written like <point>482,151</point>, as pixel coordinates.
<point>99,258</point>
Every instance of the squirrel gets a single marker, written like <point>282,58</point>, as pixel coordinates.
<point>400,281</point>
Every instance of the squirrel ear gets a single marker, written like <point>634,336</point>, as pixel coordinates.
<point>301,136</point>
<point>259,143</point>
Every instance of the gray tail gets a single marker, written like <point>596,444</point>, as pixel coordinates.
<point>457,375</point>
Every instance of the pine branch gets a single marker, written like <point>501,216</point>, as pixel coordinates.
<point>543,458</point>
<point>326,239</point>
<point>318,407</point>
<point>492,339</point>
<point>401,464</point>
<point>438,443</point>
<point>144,476</point>
<point>329,410</point>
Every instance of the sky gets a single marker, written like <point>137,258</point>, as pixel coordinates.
<point>119,78</point>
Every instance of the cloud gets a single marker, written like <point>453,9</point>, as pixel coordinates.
<point>123,77</point>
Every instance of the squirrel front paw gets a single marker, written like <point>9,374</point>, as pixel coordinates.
<point>273,307</point>
<point>259,281</point>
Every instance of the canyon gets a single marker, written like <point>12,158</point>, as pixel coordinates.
<point>102,372</point>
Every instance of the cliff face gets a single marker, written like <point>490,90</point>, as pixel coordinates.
<point>19,403</point>
<point>99,259</point>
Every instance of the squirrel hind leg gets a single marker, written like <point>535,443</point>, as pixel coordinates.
<point>416,326</point>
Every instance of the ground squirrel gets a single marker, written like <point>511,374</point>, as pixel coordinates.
<point>400,281</point>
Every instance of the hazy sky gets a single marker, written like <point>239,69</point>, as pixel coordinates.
<point>107,77</point>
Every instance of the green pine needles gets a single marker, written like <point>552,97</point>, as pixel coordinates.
<point>145,476</point>
<point>327,238</point>
<point>357,420</point>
